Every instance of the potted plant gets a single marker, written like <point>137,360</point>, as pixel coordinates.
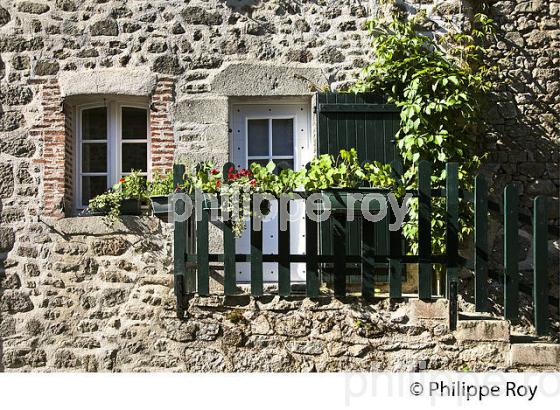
<point>336,179</point>
<point>159,189</point>
<point>124,198</point>
<point>133,189</point>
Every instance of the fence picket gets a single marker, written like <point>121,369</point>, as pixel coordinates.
<point>452,223</point>
<point>312,267</point>
<point>424,231</point>
<point>256,261</point>
<point>202,253</point>
<point>511,253</point>
<point>229,244</point>
<point>368,259</point>
<point>180,241</point>
<point>481,243</point>
<point>540,265</point>
<point>284,286</point>
<point>339,250</point>
<point>395,246</point>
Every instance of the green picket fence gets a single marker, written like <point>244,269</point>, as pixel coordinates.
<point>192,256</point>
<point>511,274</point>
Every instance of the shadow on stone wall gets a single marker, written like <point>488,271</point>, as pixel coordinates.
<point>2,275</point>
<point>524,145</point>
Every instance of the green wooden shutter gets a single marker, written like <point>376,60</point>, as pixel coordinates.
<point>361,121</point>
<point>365,122</point>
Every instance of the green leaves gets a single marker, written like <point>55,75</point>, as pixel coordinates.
<point>437,82</point>
<point>161,184</point>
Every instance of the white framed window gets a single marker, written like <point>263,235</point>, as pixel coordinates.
<point>112,139</point>
<point>270,138</point>
<point>279,130</point>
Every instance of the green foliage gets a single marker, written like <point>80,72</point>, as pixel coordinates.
<point>108,204</point>
<point>132,186</point>
<point>206,177</point>
<point>325,172</point>
<point>438,83</point>
<point>161,184</point>
<point>287,180</point>
<point>235,316</point>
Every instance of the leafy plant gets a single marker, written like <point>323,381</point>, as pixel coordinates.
<point>287,180</point>
<point>108,203</point>
<point>132,186</point>
<point>325,172</point>
<point>438,83</point>
<point>206,178</point>
<point>161,184</point>
<point>235,192</point>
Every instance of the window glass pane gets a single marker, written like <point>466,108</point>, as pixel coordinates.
<point>94,157</point>
<point>134,157</point>
<point>263,162</point>
<point>257,137</point>
<point>92,186</point>
<point>94,124</point>
<point>134,123</point>
<point>283,136</point>
<point>283,164</point>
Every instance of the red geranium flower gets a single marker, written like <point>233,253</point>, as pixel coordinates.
<point>214,171</point>
<point>218,183</point>
<point>121,180</point>
<point>231,169</point>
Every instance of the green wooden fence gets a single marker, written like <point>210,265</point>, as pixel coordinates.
<point>192,253</point>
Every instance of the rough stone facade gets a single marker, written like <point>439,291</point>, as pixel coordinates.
<point>99,298</point>
<point>77,295</point>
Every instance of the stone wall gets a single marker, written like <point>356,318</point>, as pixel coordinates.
<point>99,298</point>
<point>77,295</point>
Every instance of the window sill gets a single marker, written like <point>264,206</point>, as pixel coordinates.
<point>98,225</point>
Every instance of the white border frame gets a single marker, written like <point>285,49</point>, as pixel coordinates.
<point>114,142</point>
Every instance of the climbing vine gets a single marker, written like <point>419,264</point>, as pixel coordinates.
<point>438,82</point>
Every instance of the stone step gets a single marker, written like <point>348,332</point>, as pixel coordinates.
<point>477,316</point>
<point>483,331</point>
<point>535,354</point>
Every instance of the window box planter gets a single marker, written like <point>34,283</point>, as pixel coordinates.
<point>340,197</point>
<point>159,204</point>
<point>131,206</point>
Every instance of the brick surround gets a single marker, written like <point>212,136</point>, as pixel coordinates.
<point>56,131</point>
<point>161,127</point>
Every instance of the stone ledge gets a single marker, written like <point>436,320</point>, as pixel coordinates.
<point>483,331</point>
<point>265,79</point>
<point>434,310</point>
<point>535,354</point>
<point>108,81</point>
<point>98,225</point>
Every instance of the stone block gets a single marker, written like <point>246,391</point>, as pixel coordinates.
<point>435,310</point>
<point>483,331</point>
<point>263,79</point>
<point>107,81</point>
<point>202,110</point>
<point>535,354</point>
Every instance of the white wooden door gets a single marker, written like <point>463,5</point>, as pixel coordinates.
<point>281,133</point>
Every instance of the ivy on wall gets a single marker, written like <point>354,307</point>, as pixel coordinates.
<point>438,82</point>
